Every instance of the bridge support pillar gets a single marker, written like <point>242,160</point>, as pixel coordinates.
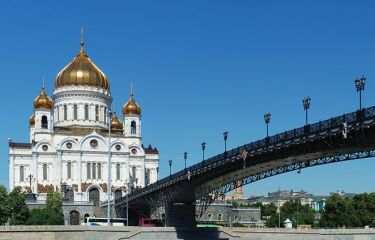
<point>180,215</point>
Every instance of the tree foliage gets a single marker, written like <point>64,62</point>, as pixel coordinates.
<point>4,211</point>
<point>19,212</point>
<point>50,215</point>
<point>297,213</point>
<point>340,211</point>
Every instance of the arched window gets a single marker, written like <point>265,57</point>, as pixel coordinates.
<point>65,112</point>
<point>44,172</point>
<point>99,171</point>
<point>75,112</point>
<point>96,113</point>
<point>86,112</point>
<point>220,217</point>
<point>88,170</point>
<point>44,122</point>
<point>69,170</point>
<point>94,171</point>
<point>22,173</point>
<point>133,127</point>
<point>209,216</point>
<point>118,171</point>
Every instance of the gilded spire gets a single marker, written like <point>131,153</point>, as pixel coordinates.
<point>82,42</point>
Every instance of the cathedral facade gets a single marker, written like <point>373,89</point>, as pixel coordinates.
<point>72,136</point>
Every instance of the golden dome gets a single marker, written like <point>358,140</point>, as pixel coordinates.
<point>131,107</point>
<point>32,120</point>
<point>43,101</point>
<point>115,123</point>
<point>82,72</point>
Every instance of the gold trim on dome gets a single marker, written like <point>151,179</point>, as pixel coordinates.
<point>32,120</point>
<point>115,123</point>
<point>82,72</point>
<point>131,107</point>
<point>43,100</point>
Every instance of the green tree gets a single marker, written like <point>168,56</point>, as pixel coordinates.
<point>303,214</point>
<point>339,212</point>
<point>364,207</point>
<point>4,211</point>
<point>16,204</point>
<point>267,210</point>
<point>50,215</point>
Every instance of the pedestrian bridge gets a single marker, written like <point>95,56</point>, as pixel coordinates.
<point>341,138</point>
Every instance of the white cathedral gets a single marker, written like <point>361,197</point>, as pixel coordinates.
<point>70,137</point>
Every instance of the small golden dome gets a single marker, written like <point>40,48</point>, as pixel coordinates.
<point>32,120</point>
<point>43,101</point>
<point>82,72</point>
<point>115,123</point>
<point>131,107</point>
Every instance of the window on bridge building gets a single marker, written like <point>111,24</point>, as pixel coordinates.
<point>220,217</point>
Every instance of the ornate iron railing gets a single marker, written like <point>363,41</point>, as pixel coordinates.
<point>312,131</point>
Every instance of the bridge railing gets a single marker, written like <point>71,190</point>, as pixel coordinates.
<point>259,145</point>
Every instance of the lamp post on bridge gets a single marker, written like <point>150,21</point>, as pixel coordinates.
<point>185,157</point>
<point>225,135</point>
<point>360,86</point>
<point>306,105</point>
<point>203,149</point>
<point>267,119</point>
<point>170,167</point>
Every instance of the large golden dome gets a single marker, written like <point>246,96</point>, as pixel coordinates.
<point>82,72</point>
<point>115,123</point>
<point>131,107</point>
<point>43,101</point>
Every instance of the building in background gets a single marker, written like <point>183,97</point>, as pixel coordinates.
<point>70,141</point>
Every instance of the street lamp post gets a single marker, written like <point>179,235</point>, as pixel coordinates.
<point>30,179</point>
<point>203,149</point>
<point>306,105</point>
<point>170,167</point>
<point>267,119</point>
<point>109,169</point>
<point>127,202</point>
<point>225,135</point>
<point>360,86</point>
<point>185,157</point>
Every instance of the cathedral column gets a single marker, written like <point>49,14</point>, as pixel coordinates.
<point>59,168</point>
<point>80,173</point>
<point>11,173</point>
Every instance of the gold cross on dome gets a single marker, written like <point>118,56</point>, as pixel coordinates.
<point>131,89</point>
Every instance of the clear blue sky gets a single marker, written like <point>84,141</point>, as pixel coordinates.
<point>200,68</point>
